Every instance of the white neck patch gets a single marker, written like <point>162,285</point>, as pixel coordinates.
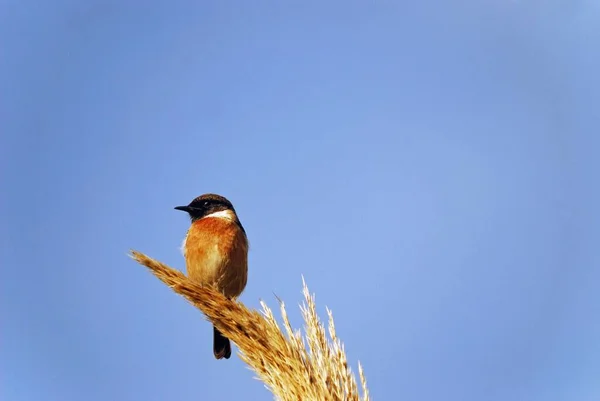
<point>223,214</point>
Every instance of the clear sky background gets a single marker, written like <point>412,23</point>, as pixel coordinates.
<point>431,168</point>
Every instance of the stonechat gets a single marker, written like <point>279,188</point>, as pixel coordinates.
<point>216,253</point>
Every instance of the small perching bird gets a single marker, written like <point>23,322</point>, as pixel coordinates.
<point>216,252</point>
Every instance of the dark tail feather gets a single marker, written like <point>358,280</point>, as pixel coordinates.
<point>221,345</point>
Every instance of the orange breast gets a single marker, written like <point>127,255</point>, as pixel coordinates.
<point>216,253</point>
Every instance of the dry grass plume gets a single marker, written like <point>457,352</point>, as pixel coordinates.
<point>293,367</point>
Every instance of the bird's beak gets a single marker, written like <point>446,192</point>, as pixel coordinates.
<point>184,208</point>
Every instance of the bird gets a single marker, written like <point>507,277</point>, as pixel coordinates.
<point>216,253</point>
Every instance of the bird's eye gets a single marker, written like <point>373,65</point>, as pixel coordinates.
<point>206,203</point>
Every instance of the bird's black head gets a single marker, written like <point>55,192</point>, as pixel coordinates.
<point>206,204</point>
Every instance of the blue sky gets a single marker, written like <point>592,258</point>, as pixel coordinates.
<point>429,167</point>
